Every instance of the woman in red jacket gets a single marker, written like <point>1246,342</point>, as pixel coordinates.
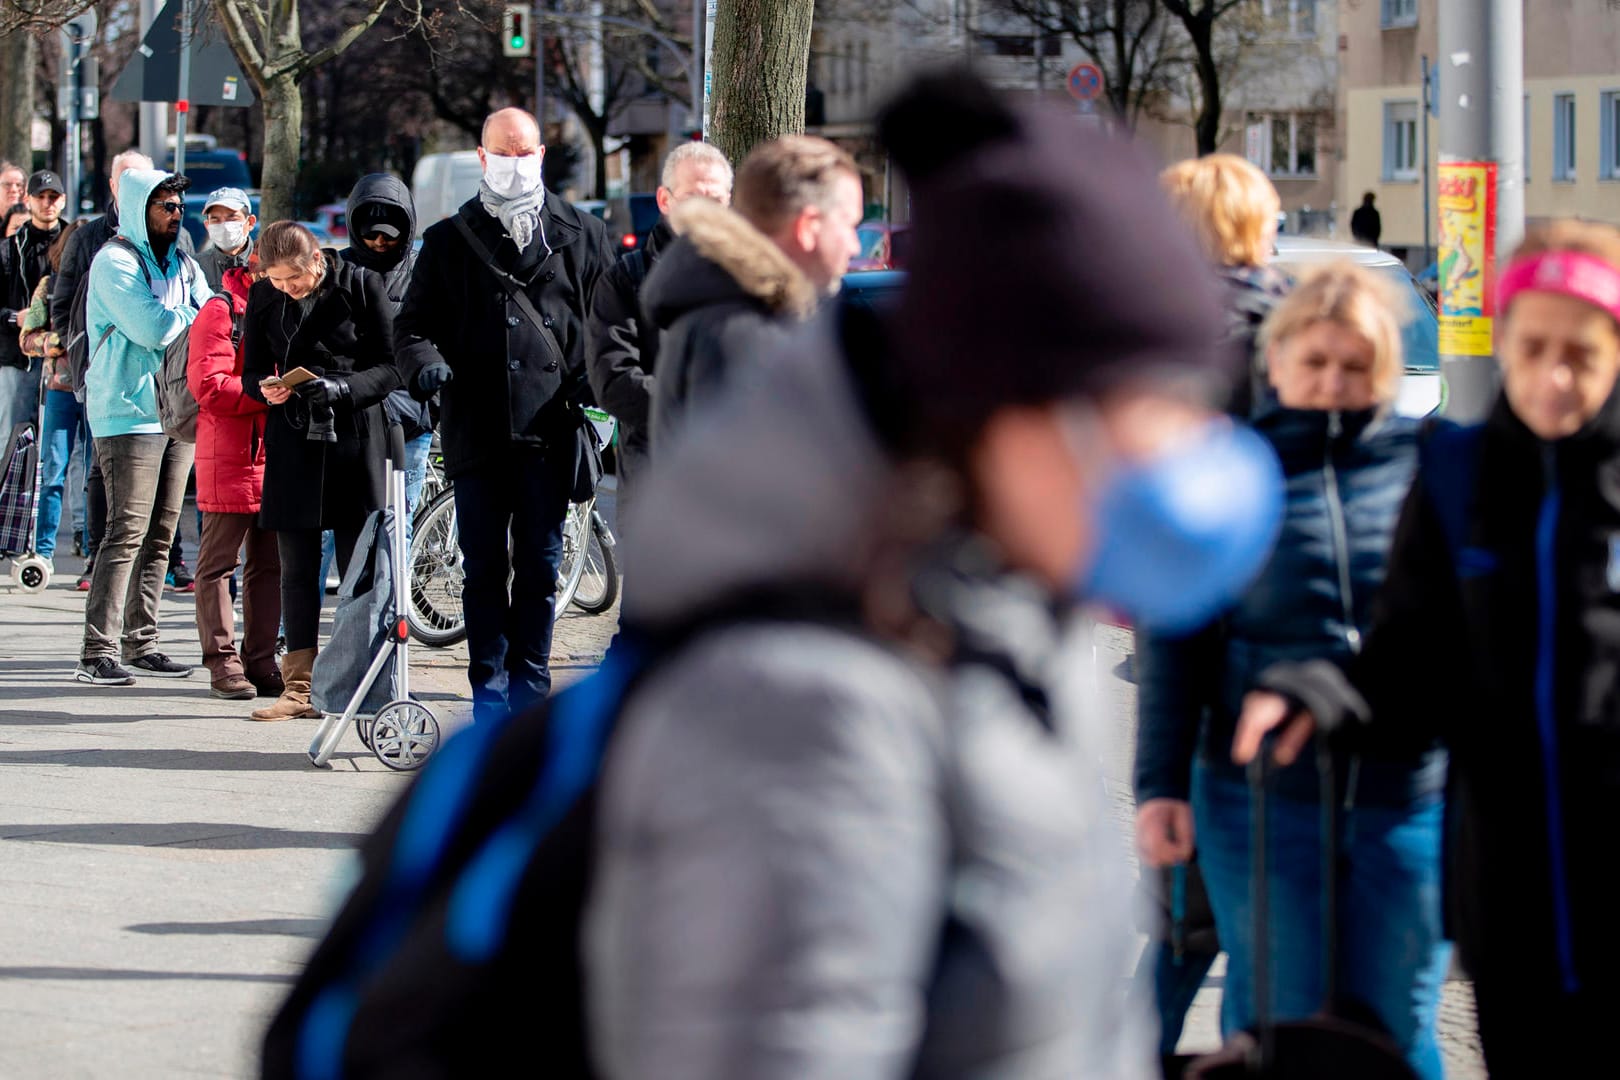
<point>230,485</point>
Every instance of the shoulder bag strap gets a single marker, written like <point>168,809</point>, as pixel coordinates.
<point>514,290</point>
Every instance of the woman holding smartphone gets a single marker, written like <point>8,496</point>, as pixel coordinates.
<point>326,439</point>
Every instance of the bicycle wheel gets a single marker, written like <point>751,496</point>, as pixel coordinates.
<point>576,537</point>
<point>434,613</point>
<point>599,583</point>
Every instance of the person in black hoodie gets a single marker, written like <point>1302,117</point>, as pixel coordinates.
<point>23,262</point>
<point>326,443</point>
<point>512,385</point>
<point>382,232</point>
<point>737,280</point>
<point>1497,631</point>
<point>623,342</point>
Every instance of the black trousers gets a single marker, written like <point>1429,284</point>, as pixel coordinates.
<point>1538,1033</point>
<point>301,589</point>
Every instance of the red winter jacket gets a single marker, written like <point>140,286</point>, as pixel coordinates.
<point>230,425</point>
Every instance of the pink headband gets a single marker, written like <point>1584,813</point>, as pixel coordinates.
<point>1568,273</point>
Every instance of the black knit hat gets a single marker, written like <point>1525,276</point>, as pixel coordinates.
<point>1046,262</point>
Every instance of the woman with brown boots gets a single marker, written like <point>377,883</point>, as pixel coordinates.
<point>318,348</point>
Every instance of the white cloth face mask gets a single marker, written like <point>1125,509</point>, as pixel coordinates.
<point>512,177</point>
<point>228,235</point>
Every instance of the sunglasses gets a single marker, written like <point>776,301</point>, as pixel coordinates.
<point>170,207</point>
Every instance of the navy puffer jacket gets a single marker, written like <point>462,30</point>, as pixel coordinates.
<point>1348,475</point>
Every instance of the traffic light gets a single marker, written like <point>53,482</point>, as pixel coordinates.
<point>515,37</point>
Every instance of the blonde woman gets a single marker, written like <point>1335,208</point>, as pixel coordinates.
<point>1333,363</point>
<point>1232,211</point>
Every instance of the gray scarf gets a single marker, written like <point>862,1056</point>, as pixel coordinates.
<point>520,217</point>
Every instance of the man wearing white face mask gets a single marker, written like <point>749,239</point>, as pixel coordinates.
<point>230,220</point>
<point>494,320</point>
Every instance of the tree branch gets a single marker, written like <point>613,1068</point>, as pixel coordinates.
<point>301,67</point>
<point>241,41</point>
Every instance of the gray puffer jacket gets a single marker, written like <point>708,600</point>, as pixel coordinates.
<point>821,856</point>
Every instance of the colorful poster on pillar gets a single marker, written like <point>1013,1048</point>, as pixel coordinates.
<point>1467,257</point>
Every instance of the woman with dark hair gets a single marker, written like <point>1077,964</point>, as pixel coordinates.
<point>62,427</point>
<point>16,218</point>
<point>326,439</point>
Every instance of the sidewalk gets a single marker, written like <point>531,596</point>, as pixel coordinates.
<point>166,865</point>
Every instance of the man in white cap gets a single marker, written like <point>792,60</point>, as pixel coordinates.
<point>229,218</point>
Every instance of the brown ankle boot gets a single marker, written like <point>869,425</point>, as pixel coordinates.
<point>293,703</point>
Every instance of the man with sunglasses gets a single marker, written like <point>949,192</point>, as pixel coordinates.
<point>144,293</point>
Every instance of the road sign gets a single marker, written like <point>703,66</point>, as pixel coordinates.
<point>1085,82</point>
<point>153,72</point>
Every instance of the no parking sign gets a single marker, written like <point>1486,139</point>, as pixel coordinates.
<point>1085,82</point>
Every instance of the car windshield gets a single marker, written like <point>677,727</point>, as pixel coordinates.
<point>871,238</point>
<point>211,171</point>
<point>1420,329</point>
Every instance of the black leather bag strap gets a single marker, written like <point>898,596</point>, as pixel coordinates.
<point>514,290</point>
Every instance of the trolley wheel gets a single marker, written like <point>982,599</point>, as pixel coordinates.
<point>31,573</point>
<point>404,735</point>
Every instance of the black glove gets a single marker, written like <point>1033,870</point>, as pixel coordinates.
<point>433,376</point>
<point>327,391</point>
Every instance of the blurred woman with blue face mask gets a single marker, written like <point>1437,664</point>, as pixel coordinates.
<point>1333,361</point>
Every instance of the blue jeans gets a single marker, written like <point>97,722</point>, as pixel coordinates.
<point>1172,983</point>
<point>1392,958</point>
<point>509,636</point>
<point>64,430</point>
<point>416,459</point>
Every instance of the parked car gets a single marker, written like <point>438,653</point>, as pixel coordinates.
<point>883,246</point>
<point>629,218</point>
<point>440,183</point>
<point>334,219</point>
<point>1422,389</point>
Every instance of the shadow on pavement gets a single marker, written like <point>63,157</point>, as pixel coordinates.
<point>198,760</point>
<point>307,928</point>
<point>215,836</point>
<point>97,974</point>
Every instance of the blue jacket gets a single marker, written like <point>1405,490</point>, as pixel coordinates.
<point>1347,475</point>
<point>121,383</point>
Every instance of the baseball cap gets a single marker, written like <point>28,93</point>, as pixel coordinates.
<point>45,180</point>
<point>235,198</point>
<point>390,231</point>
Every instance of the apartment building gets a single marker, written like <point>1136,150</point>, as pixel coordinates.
<point>1571,114</point>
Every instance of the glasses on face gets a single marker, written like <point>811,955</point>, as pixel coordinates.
<point>170,207</point>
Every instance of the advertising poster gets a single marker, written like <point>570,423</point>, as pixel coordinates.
<point>1467,257</point>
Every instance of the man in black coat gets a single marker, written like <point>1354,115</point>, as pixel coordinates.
<point>512,386</point>
<point>736,281</point>
<point>23,262</point>
<point>1366,224</point>
<point>623,343</point>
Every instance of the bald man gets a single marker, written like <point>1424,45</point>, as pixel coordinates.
<point>512,380</point>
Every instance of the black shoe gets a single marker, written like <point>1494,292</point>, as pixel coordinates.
<point>181,578</point>
<point>159,666</point>
<point>103,672</point>
<point>78,544</point>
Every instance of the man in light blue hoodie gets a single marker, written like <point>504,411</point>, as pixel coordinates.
<point>144,293</point>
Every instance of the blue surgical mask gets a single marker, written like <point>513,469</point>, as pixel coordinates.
<point>1181,536</point>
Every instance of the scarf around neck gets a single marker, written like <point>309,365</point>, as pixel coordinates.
<point>520,216</point>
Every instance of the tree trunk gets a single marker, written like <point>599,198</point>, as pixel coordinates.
<point>17,60</point>
<point>1208,126</point>
<point>283,126</point>
<point>761,64</point>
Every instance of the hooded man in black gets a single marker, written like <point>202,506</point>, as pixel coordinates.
<point>382,231</point>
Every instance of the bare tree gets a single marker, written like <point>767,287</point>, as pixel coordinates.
<point>268,40</point>
<point>1205,21</point>
<point>17,52</point>
<point>761,63</point>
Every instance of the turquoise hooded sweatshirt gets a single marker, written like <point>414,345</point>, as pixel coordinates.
<point>121,384</point>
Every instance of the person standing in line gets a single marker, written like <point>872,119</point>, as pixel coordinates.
<point>68,285</point>
<point>230,221</point>
<point>326,441</point>
<point>24,262</point>
<point>230,491</point>
<point>1367,224</point>
<point>13,184</point>
<point>622,341</point>
<point>143,293</point>
<point>494,319</point>
<point>62,429</point>
<point>382,234</point>
<point>16,218</point>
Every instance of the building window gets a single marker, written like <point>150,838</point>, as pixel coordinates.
<point>1609,166</point>
<point>1283,144</point>
<point>1294,17</point>
<point>1399,13</point>
<point>1563,137</point>
<point>1401,161</point>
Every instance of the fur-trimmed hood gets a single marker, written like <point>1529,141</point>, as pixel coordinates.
<point>721,258</point>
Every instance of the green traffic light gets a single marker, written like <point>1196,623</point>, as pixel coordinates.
<point>517,41</point>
